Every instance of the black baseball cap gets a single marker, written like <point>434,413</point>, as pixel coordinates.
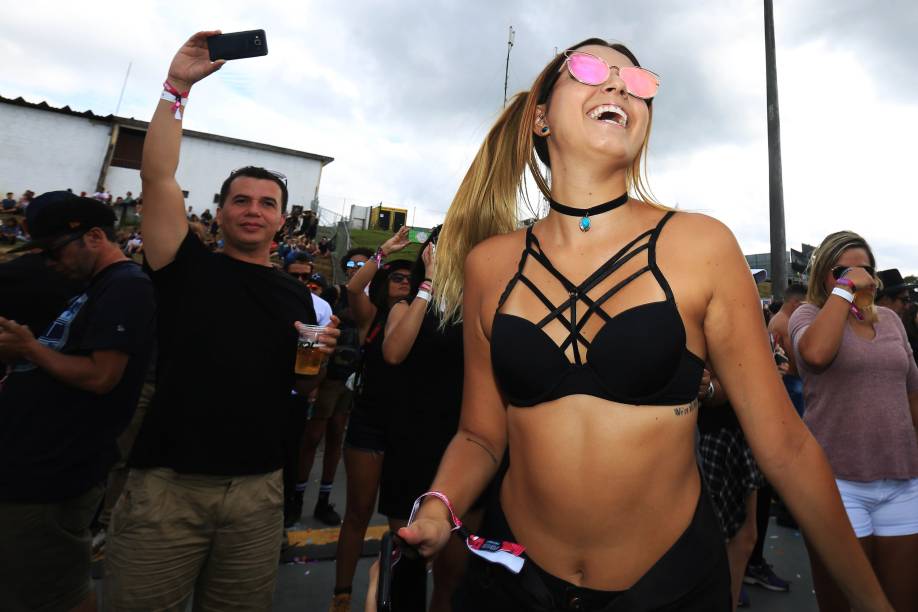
<point>319,280</point>
<point>56,217</point>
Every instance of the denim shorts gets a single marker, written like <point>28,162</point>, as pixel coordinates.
<point>881,507</point>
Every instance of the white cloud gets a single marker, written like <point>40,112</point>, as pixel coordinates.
<point>401,94</point>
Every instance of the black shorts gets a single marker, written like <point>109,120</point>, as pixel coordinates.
<point>692,576</point>
<point>366,428</point>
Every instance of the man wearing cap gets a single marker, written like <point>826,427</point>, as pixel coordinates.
<point>201,510</point>
<point>68,394</point>
<point>895,292</point>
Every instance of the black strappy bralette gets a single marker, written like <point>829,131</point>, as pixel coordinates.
<point>636,357</point>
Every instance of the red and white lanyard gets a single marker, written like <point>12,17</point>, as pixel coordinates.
<point>508,554</point>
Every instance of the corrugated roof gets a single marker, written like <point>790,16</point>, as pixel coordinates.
<point>143,125</point>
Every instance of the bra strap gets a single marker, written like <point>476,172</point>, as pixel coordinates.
<point>652,256</point>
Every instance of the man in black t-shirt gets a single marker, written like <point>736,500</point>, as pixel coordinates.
<point>202,506</point>
<point>67,396</point>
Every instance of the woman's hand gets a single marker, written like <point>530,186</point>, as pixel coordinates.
<point>861,279</point>
<point>396,243</point>
<point>430,261</point>
<point>427,535</point>
<point>705,385</point>
<point>192,62</point>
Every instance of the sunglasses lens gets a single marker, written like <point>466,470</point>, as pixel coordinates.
<point>641,83</point>
<point>587,69</point>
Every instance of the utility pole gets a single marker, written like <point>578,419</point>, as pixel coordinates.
<point>775,181</point>
<point>123,86</point>
<point>507,66</point>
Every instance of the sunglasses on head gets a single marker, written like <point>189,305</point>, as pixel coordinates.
<point>837,271</point>
<point>590,69</point>
<point>278,175</point>
<point>355,264</point>
<point>397,277</point>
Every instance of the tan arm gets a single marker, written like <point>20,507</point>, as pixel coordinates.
<point>164,223</point>
<point>788,455</point>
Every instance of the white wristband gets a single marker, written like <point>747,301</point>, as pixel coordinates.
<point>424,295</point>
<point>846,295</point>
<point>178,104</point>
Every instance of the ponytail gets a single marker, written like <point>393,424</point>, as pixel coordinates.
<point>486,202</point>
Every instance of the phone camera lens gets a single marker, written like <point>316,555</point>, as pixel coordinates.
<point>258,41</point>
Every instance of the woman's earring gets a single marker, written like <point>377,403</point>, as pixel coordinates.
<point>545,130</point>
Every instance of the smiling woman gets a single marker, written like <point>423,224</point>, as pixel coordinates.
<point>585,337</point>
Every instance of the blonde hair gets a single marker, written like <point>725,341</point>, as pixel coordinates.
<point>823,260</point>
<point>486,203</point>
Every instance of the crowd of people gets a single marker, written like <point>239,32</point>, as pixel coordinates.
<point>604,428</point>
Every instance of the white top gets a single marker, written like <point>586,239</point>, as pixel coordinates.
<point>323,310</point>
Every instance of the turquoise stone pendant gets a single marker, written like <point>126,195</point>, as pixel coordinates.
<point>585,224</point>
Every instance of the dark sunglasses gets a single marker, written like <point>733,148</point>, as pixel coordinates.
<point>305,276</point>
<point>54,253</point>
<point>395,277</point>
<point>837,271</point>
<point>355,264</point>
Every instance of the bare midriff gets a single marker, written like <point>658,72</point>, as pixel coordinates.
<point>598,491</point>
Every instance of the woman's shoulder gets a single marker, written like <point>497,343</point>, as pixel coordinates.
<point>695,225</point>
<point>495,250</point>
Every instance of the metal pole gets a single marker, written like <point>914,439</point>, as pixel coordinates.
<point>775,183</point>
<point>123,86</point>
<point>507,66</point>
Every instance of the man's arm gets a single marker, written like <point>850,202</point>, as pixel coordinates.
<point>164,223</point>
<point>99,373</point>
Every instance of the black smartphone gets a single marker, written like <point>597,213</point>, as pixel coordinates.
<point>237,45</point>
<point>387,559</point>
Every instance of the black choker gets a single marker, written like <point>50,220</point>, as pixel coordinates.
<point>585,214</point>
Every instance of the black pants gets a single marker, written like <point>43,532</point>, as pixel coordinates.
<point>692,576</point>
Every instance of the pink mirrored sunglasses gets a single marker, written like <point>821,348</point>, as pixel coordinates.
<point>592,70</point>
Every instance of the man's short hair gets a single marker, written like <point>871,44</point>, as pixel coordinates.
<point>368,253</point>
<point>256,173</point>
<point>795,290</point>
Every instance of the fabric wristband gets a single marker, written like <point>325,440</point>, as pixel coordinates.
<point>424,295</point>
<point>844,294</point>
<point>379,257</point>
<point>507,554</point>
<point>178,99</point>
<point>847,282</point>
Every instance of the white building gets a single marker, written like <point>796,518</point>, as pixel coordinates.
<point>43,148</point>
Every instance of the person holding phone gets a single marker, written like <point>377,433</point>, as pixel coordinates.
<point>585,338</point>
<point>202,509</point>
<point>860,385</point>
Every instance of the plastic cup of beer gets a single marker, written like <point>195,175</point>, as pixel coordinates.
<point>309,355</point>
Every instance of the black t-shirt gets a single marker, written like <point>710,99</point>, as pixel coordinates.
<point>57,441</point>
<point>32,293</point>
<point>227,349</point>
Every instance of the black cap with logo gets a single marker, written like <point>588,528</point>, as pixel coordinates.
<point>56,217</point>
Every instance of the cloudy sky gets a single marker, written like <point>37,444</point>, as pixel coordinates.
<point>402,93</point>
